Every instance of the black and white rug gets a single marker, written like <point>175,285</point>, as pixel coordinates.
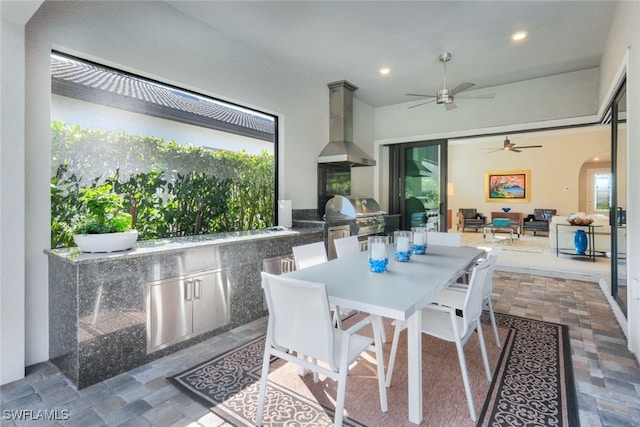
<point>532,384</point>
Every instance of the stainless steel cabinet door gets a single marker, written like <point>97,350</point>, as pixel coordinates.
<point>170,312</point>
<point>211,300</point>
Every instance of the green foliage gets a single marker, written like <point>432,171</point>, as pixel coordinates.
<point>65,205</point>
<point>425,188</point>
<point>168,189</point>
<point>198,200</point>
<point>101,213</point>
<point>338,180</point>
<point>144,199</point>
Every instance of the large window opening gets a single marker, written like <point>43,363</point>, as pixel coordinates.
<point>602,192</point>
<point>185,163</point>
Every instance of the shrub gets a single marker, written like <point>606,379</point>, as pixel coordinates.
<point>167,188</point>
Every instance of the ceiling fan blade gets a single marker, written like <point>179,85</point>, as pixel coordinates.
<point>422,103</point>
<point>477,95</point>
<point>530,146</point>
<point>420,94</point>
<point>494,150</point>
<point>462,86</point>
<point>515,150</point>
<point>450,106</point>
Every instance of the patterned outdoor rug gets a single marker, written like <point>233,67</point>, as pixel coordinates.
<point>532,383</point>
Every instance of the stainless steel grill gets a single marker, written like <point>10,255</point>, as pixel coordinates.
<point>365,210</point>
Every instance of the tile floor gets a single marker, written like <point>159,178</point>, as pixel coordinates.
<point>607,375</point>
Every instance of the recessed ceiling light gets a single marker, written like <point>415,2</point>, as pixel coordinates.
<point>519,36</point>
<point>385,71</point>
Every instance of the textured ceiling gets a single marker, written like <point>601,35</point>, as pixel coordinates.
<point>351,40</point>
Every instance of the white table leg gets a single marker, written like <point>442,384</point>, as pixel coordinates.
<point>414,354</point>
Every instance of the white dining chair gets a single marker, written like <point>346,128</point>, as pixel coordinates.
<point>300,322</point>
<point>442,322</point>
<point>454,295</point>
<point>348,246</point>
<point>313,254</point>
<point>309,255</point>
<point>448,239</point>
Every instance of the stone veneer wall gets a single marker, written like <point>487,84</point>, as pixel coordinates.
<point>98,307</point>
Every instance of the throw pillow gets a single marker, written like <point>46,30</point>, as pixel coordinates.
<point>501,222</point>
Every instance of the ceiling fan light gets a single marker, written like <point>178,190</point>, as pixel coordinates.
<point>519,36</point>
<point>444,96</point>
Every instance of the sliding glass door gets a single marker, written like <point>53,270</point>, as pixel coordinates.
<point>418,184</point>
<point>619,212</point>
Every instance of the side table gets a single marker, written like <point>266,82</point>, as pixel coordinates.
<point>590,230</point>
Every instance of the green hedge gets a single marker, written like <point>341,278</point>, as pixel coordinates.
<point>170,189</point>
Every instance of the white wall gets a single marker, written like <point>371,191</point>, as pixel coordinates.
<point>96,116</point>
<point>623,48</point>
<point>12,193</point>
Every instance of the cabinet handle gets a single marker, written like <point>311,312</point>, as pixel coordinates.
<point>188,290</point>
<point>197,289</point>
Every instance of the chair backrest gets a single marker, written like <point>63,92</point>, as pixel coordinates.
<point>543,214</point>
<point>309,255</point>
<point>299,317</point>
<point>474,300</point>
<point>488,283</point>
<point>444,239</point>
<point>347,246</point>
<point>468,213</point>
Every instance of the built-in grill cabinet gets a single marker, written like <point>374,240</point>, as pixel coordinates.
<point>182,307</point>
<point>365,210</point>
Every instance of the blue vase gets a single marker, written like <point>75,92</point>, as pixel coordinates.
<point>580,242</point>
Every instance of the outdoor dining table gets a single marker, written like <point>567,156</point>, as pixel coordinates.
<point>399,293</point>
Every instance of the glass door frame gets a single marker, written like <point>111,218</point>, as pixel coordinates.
<point>397,162</point>
<point>616,119</point>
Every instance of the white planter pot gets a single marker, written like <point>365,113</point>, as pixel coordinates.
<point>109,242</point>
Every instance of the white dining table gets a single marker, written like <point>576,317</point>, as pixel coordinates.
<point>399,293</point>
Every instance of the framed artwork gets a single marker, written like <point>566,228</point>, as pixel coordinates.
<point>511,186</point>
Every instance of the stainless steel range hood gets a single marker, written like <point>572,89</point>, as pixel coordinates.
<point>341,151</point>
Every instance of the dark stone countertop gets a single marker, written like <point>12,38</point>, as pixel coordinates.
<point>149,247</point>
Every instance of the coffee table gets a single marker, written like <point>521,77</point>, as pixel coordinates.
<point>492,228</point>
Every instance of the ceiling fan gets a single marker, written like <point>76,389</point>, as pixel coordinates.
<point>510,146</point>
<point>446,96</point>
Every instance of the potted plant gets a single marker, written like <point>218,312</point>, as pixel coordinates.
<point>103,227</point>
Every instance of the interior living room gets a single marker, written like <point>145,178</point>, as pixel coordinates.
<point>241,53</point>
<point>564,191</point>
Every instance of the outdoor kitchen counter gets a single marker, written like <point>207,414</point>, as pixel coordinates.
<point>99,304</point>
<point>150,247</point>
